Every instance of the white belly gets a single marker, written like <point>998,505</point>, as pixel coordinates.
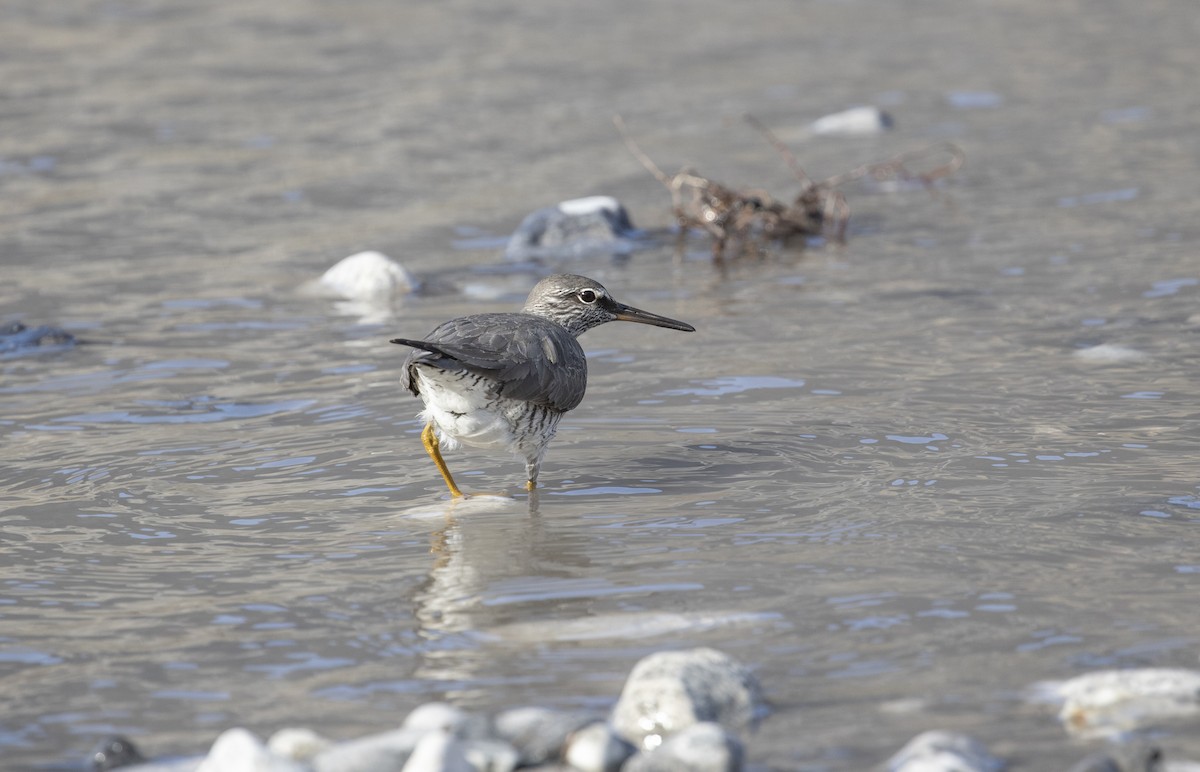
<point>463,410</point>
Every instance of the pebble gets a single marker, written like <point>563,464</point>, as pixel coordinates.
<point>373,753</point>
<point>1108,703</point>
<point>489,755</point>
<point>597,748</point>
<point>443,716</point>
<point>671,690</point>
<point>574,228</point>
<point>702,747</point>
<point>538,734</point>
<point>855,122</point>
<point>297,744</point>
<point>940,751</point>
<point>437,751</point>
<point>240,750</point>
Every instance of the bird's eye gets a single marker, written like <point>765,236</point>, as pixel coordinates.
<point>587,296</point>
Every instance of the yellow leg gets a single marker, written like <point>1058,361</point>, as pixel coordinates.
<point>531,485</point>
<point>430,440</point>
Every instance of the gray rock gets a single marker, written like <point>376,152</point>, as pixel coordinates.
<point>538,734</point>
<point>939,751</point>
<point>385,752</point>
<point>575,228</point>
<point>597,748</point>
<point>703,747</point>
<point>672,690</point>
<point>239,750</point>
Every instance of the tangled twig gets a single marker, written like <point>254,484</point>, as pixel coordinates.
<point>750,216</point>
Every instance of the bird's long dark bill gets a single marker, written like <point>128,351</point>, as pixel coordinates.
<point>626,313</point>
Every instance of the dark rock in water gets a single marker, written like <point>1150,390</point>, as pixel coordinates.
<point>115,752</point>
<point>582,226</point>
<point>16,339</point>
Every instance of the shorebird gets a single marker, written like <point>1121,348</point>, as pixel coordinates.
<point>506,380</point>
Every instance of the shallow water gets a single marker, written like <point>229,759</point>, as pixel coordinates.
<point>896,478</point>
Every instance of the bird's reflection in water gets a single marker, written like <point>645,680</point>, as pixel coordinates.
<point>482,541</point>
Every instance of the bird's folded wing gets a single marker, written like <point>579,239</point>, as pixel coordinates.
<point>538,363</point>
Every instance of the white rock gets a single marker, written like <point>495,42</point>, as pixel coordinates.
<point>239,750</point>
<point>1109,702</point>
<point>438,751</point>
<point>938,751</point>
<point>297,744</point>
<point>671,690</point>
<point>368,276</point>
<point>855,122</point>
<point>597,748</point>
<point>703,747</point>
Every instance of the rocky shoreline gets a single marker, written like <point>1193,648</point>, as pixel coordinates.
<point>687,710</point>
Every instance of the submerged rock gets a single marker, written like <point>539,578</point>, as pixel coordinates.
<point>939,751</point>
<point>669,691</point>
<point>702,747</point>
<point>1109,702</point>
<point>855,122</point>
<point>16,340</point>
<point>113,753</point>
<point>574,228</point>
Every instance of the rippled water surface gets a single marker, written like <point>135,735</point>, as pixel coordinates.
<point>902,479</point>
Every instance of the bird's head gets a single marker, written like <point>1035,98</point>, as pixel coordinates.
<point>579,304</point>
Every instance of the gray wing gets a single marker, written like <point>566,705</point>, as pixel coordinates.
<point>530,358</point>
